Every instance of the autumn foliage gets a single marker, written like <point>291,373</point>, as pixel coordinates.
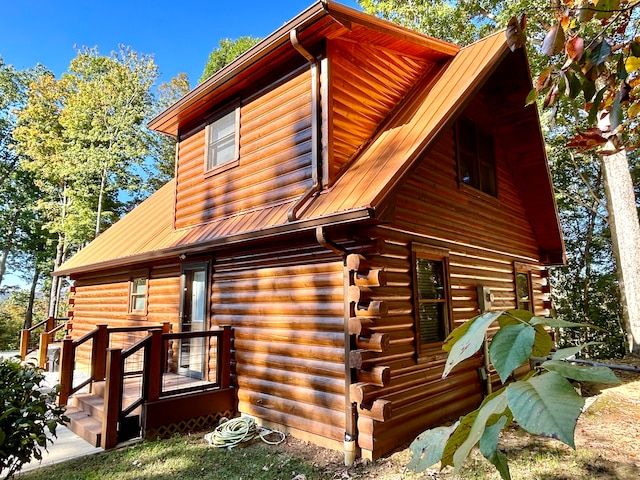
<point>595,57</point>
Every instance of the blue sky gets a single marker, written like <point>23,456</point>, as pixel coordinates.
<point>179,34</point>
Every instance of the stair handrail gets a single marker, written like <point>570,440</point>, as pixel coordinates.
<point>68,360</point>
<point>98,360</point>
<point>50,327</point>
<point>114,412</point>
<point>46,339</point>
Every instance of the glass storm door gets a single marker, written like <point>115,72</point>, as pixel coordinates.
<point>192,352</point>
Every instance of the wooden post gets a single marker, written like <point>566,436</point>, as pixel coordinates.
<point>112,399</point>
<point>374,308</point>
<point>154,367</point>
<point>224,357</point>
<point>24,343</point>
<point>370,278</point>
<point>361,325</point>
<point>50,325</point>
<point>66,370</point>
<point>379,410</point>
<point>42,349</point>
<point>99,353</point>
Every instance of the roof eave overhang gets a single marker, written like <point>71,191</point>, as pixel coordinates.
<point>169,120</point>
<point>360,215</point>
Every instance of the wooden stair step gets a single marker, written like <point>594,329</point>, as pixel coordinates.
<point>84,425</point>
<point>90,404</point>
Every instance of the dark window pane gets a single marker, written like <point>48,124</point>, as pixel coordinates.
<point>476,157</point>
<point>430,279</point>
<point>522,280</point>
<point>431,322</point>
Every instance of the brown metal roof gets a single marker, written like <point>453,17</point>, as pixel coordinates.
<point>146,233</point>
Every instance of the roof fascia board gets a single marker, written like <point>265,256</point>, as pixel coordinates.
<point>346,15</point>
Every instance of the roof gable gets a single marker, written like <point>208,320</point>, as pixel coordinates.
<point>434,102</point>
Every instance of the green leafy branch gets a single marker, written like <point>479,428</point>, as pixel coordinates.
<point>543,403</point>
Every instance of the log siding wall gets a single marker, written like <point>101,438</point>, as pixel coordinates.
<point>275,157</point>
<point>286,307</point>
<point>485,237</point>
<point>367,83</point>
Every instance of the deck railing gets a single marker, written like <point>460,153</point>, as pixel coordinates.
<point>30,341</point>
<point>149,364</point>
<point>95,345</point>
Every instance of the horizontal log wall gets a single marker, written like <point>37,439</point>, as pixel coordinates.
<point>104,299</point>
<point>367,83</point>
<point>286,308</point>
<point>275,157</point>
<point>484,237</point>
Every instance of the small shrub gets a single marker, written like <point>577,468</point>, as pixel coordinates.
<point>27,410</point>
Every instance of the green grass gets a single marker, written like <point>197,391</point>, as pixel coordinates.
<point>184,458</point>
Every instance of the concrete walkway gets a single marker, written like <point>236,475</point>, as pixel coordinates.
<point>66,445</point>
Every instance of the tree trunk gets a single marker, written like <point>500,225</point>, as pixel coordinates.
<point>103,181</point>
<point>28,316</point>
<point>8,245</point>
<point>55,281</point>
<point>625,239</point>
<point>586,261</point>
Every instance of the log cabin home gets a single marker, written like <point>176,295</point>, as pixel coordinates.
<point>345,194</point>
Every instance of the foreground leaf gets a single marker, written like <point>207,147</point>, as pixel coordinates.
<point>510,347</point>
<point>557,323</point>
<point>553,43</point>
<point>467,339</point>
<point>493,405</point>
<point>489,447</point>
<point>458,438</point>
<point>575,48</point>
<point>466,423</point>
<point>427,448</point>
<point>570,351</point>
<point>546,405</point>
<point>543,343</point>
<point>582,373</point>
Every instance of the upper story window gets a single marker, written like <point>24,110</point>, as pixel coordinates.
<point>476,157</point>
<point>222,139</point>
<point>432,298</point>
<point>138,295</point>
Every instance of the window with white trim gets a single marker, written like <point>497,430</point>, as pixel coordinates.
<point>222,139</point>
<point>138,295</point>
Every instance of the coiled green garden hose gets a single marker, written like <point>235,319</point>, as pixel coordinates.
<point>239,430</point>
